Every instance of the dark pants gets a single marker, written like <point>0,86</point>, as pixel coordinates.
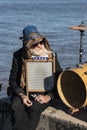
<point>26,118</point>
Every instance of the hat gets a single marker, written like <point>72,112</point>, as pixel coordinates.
<point>34,38</point>
<point>27,32</point>
<point>31,34</point>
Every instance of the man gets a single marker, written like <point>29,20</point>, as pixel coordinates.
<point>26,111</point>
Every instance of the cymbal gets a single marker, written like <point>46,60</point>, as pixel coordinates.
<point>79,27</point>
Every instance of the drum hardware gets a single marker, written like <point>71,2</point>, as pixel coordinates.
<point>0,87</point>
<point>80,28</point>
<point>79,65</point>
<point>85,72</point>
<point>68,68</point>
<point>73,111</point>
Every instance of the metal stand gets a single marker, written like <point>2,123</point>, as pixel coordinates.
<point>81,46</point>
<point>80,28</point>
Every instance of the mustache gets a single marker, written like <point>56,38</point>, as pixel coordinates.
<point>41,52</point>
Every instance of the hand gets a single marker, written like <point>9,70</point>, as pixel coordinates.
<point>43,98</point>
<point>26,100</point>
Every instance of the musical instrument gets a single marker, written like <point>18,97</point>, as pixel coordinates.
<point>80,28</point>
<point>40,74</point>
<point>72,83</point>
<point>72,87</point>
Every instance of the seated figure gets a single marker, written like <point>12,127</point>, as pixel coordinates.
<point>26,110</point>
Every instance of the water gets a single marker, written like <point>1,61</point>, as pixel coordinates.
<point>52,18</point>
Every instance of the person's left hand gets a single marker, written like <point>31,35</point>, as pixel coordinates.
<point>43,98</point>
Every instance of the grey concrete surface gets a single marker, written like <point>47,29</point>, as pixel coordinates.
<point>54,119</point>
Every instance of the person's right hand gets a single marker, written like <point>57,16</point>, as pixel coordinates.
<point>26,100</point>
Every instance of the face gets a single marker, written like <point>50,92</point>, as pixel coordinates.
<point>38,48</point>
<point>38,45</point>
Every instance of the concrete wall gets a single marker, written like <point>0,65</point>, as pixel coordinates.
<point>53,119</point>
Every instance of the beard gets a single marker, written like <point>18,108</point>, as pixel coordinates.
<point>41,52</point>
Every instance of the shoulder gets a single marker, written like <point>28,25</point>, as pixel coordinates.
<point>18,53</point>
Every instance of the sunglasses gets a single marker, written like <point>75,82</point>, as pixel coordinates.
<point>36,44</point>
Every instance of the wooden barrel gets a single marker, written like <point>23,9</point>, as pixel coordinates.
<point>72,86</point>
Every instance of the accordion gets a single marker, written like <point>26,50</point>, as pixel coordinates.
<point>40,74</point>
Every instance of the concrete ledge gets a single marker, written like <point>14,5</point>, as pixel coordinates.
<point>54,119</point>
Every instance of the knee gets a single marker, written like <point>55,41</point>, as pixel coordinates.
<point>38,107</point>
<point>17,104</point>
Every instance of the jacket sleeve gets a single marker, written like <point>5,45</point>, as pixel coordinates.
<point>14,78</point>
<point>54,92</point>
